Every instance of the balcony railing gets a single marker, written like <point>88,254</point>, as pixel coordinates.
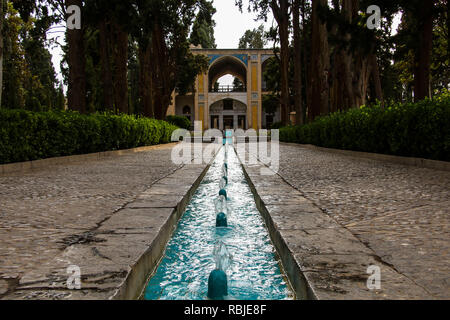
<point>228,89</point>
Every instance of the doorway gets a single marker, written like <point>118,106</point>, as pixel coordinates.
<point>215,122</point>
<point>242,121</point>
<point>228,122</point>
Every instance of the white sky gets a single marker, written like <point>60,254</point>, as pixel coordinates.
<point>231,24</point>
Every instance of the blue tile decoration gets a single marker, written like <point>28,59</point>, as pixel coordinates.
<point>242,57</point>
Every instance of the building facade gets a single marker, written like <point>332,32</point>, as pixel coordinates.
<point>228,107</point>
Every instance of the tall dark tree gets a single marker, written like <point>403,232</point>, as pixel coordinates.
<point>281,13</point>
<point>280,10</point>
<point>298,85</point>
<point>162,32</point>
<point>141,33</point>
<point>253,39</point>
<point>203,27</point>
<point>112,20</point>
<point>320,62</point>
<point>77,64</point>
<point>30,79</point>
<point>424,15</point>
<point>2,18</point>
<point>121,69</point>
<point>105,54</point>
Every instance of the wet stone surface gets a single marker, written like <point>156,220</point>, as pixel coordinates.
<point>83,214</point>
<point>337,214</point>
<point>396,213</point>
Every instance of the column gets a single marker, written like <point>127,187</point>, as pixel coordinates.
<point>255,92</point>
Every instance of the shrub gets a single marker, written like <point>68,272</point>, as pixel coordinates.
<point>179,121</point>
<point>413,130</point>
<point>276,125</point>
<point>26,135</point>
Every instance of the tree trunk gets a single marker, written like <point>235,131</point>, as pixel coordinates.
<point>281,14</point>
<point>307,70</point>
<point>376,78</point>
<point>145,83</point>
<point>353,68</point>
<point>361,81</point>
<point>320,63</point>
<point>347,59</point>
<point>77,66</point>
<point>423,53</point>
<point>297,64</point>
<point>121,69</point>
<point>105,42</point>
<point>448,28</point>
<point>162,74</point>
<point>2,18</point>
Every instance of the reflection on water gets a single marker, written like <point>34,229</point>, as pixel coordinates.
<point>253,273</point>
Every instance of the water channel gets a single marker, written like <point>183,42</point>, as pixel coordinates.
<point>242,250</point>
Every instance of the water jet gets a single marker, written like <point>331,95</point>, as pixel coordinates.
<point>218,281</point>
<point>223,193</point>
<point>221,220</point>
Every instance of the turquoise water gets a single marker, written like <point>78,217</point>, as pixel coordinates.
<point>254,273</point>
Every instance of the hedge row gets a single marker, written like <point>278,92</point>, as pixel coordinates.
<point>26,135</point>
<point>412,130</point>
<point>179,121</point>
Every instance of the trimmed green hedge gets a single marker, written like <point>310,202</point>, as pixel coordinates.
<point>179,121</point>
<point>412,130</point>
<point>26,135</point>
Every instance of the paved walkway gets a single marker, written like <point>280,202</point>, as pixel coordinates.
<point>401,212</point>
<point>44,212</point>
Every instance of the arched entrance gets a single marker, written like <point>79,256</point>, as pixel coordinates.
<point>228,114</point>
<point>233,75</point>
<point>187,112</point>
<point>223,66</point>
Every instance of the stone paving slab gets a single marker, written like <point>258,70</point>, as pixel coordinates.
<point>323,259</point>
<point>111,218</point>
<point>401,212</point>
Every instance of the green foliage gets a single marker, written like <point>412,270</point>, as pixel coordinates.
<point>179,121</point>
<point>253,39</point>
<point>270,103</point>
<point>276,125</point>
<point>203,27</point>
<point>272,75</point>
<point>26,135</point>
<point>411,130</point>
<point>29,78</point>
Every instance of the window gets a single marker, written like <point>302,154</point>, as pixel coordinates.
<point>186,110</point>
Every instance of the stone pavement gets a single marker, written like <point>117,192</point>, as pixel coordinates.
<point>400,213</point>
<point>83,214</point>
<point>337,214</point>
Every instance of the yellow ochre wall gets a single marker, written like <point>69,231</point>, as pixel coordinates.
<point>254,94</point>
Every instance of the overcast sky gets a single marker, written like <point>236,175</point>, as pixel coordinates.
<point>231,24</point>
